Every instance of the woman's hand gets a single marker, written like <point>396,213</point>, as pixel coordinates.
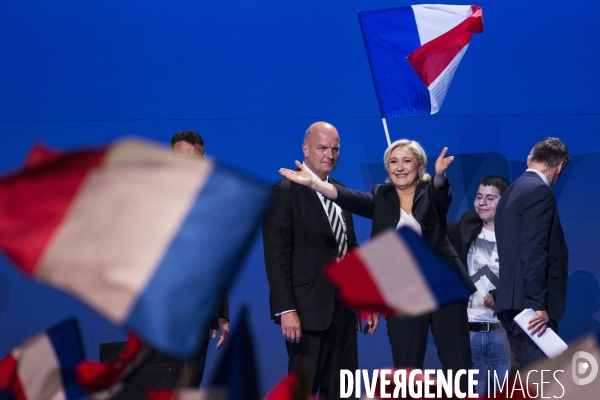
<point>302,177</point>
<point>441,165</point>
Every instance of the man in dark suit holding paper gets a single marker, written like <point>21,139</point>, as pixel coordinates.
<point>532,250</point>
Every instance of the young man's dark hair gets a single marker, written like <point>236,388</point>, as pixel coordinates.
<point>550,151</point>
<point>187,136</point>
<point>494,180</point>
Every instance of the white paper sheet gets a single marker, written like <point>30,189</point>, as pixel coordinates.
<point>550,343</point>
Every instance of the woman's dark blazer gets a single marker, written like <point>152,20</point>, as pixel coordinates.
<point>430,207</point>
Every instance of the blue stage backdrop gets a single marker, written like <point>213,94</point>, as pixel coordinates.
<point>252,75</point>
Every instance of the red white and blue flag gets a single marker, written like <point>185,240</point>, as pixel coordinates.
<point>52,365</point>
<point>414,52</point>
<point>44,366</point>
<point>105,379</point>
<point>147,238</point>
<point>397,274</point>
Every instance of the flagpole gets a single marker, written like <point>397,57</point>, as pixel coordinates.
<point>387,133</point>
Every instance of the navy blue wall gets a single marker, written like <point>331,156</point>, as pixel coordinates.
<point>250,76</point>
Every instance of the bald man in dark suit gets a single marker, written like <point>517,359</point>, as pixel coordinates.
<point>299,240</point>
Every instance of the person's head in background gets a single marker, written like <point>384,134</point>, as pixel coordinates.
<point>550,156</point>
<point>321,148</point>
<point>188,143</point>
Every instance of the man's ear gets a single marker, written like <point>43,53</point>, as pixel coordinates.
<point>560,167</point>
<point>305,150</point>
<point>528,161</point>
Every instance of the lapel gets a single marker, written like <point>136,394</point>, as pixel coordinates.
<point>392,197</point>
<point>475,225</point>
<point>419,192</point>
<point>312,199</point>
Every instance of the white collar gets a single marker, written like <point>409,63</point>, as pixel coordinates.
<point>544,177</point>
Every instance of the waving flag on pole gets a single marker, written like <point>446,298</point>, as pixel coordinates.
<point>147,238</point>
<point>398,274</point>
<point>415,51</point>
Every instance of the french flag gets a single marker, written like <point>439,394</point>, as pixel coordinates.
<point>44,367</point>
<point>414,52</point>
<point>397,274</point>
<point>145,237</point>
<point>105,379</point>
<point>52,365</point>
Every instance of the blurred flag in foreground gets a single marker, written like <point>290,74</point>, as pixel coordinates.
<point>292,387</point>
<point>52,365</point>
<point>397,273</point>
<point>147,238</point>
<point>236,374</point>
<point>105,379</point>
<point>414,52</point>
<point>44,367</point>
<point>182,394</point>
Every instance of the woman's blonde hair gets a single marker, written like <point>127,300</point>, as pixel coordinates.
<point>417,151</point>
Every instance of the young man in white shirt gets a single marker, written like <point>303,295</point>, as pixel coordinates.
<point>474,239</point>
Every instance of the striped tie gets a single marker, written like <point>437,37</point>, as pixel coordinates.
<point>336,227</point>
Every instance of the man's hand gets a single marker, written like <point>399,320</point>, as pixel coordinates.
<point>488,301</point>
<point>224,329</point>
<point>538,323</point>
<point>372,322</point>
<point>290,327</point>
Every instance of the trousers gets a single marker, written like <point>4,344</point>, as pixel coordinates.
<point>490,353</point>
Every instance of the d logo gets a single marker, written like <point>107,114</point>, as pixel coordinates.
<point>579,367</point>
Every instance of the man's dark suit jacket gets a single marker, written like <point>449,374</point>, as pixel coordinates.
<point>532,249</point>
<point>430,207</point>
<point>298,244</point>
<point>462,234</point>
